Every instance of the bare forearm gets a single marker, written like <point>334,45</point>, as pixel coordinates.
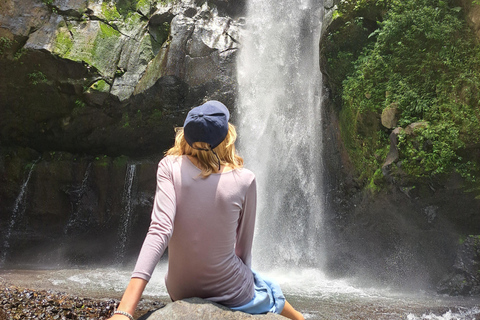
<point>131,297</point>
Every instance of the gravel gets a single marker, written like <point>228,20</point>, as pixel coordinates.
<point>22,303</point>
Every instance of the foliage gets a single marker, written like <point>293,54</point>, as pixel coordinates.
<point>63,41</point>
<point>422,60</point>
<point>107,31</point>
<point>120,162</point>
<point>37,77</point>
<point>5,44</point>
<point>347,7</point>
<point>109,11</point>
<point>102,161</point>
<point>79,103</point>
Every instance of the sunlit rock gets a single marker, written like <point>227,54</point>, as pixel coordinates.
<point>200,309</point>
<point>393,154</point>
<point>390,116</point>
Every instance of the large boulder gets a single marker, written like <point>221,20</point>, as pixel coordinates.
<point>199,309</point>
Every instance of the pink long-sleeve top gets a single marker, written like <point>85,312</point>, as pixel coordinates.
<point>208,225</point>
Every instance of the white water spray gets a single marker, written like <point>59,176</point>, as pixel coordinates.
<point>127,211</point>
<point>18,212</point>
<point>280,128</point>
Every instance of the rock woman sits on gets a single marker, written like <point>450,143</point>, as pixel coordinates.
<point>204,211</point>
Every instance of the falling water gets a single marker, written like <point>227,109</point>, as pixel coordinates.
<point>280,127</point>
<point>18,211</point>
<point>78,193</point>
<point>127,211</point>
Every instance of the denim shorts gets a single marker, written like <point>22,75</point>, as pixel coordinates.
<point>268,297</point>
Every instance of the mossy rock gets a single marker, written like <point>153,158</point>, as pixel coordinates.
<point>92,42</point>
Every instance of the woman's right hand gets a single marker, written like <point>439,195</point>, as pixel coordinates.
<point>118,317</point>
<point>130,298</point>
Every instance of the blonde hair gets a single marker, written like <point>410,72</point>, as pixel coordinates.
<point>208,161</point>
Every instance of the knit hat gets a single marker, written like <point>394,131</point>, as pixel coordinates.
<point>207,123</point>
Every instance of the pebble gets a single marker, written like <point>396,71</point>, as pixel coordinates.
<point>20,303</point>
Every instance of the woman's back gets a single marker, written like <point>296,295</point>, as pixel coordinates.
<point>205,213</point>
<point>210,248</point>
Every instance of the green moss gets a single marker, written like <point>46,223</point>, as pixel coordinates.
<point>5,44</point>
<point>107,31</point>
<point>102,161</point>
<point>124,7</point>
<point>79,103</point>
<point>143,5</point>
<point>19,54</point>
<point>125,121</point>
<point>79,108</point>
<point>101,85</point>
<point>104,45</point>
<point>63,42</point>
<point>120,162</point>
<point>376,181</point>
<point>37,77</point>
<point>110,12</point>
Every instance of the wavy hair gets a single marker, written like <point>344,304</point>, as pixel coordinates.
<point>208,161</point>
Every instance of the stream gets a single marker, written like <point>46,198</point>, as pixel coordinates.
<point>309,290</point>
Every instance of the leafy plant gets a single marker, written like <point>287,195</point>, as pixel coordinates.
<point>79,103</point>
<point>421,61</point>
<point>37,77</point>
<point>5,43</point>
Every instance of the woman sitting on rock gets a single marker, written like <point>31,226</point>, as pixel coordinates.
<point>204,210</point>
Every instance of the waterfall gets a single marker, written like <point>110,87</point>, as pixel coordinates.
<point>17,213</point>
<point>78,193</point>
<point>126,212</point>
<point>280,134</point>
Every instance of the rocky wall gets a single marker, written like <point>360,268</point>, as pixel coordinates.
<point>88,89</point>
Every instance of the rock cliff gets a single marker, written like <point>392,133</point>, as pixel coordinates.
<point>89,90</point>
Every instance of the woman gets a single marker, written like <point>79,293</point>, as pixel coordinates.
<point>204,210</point>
